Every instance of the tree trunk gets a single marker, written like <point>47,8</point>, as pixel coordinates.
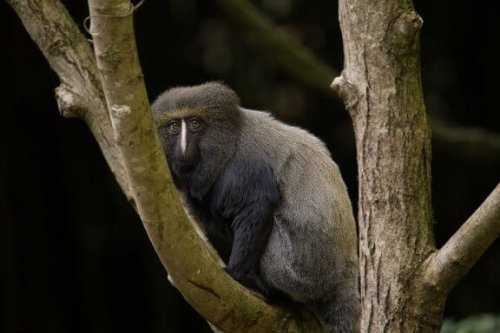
<point>404,279</point>
<point>381,87</point>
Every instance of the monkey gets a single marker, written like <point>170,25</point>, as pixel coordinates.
<point>274,190</point>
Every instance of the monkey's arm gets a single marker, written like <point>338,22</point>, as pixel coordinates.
<point>210,224</point>
<point>247,195</point>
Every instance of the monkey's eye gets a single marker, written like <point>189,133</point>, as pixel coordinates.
<point>174,127</point>
<point>194,124</point>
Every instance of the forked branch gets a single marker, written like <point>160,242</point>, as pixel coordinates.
<point>69,54</point>
<point>114,104</point>
<point>193,266</point>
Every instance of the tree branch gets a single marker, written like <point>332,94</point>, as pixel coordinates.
<point>129,142</point>
<point>381,87</point>
<point>448,265</point>
<point>193,266</point>
<point>69,55</point>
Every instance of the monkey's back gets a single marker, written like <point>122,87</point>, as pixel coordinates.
<point>314,235</point>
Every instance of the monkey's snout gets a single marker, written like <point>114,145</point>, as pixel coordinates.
<point>188,157</point>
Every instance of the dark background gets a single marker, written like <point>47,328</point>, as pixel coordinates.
<point>74,256</point>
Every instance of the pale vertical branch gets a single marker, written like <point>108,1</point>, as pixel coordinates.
<point>381,88</point>
<point>404,281</point>
<point>69,54</point>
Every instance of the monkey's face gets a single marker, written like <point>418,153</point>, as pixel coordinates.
<point>199,128</point>
<point>184,134</point>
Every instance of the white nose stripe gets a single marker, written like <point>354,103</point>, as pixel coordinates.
<point>183,137</point>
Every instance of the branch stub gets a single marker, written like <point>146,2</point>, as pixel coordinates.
<point>347,92</point>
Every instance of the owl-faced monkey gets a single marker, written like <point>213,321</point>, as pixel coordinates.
<point>274,189</point>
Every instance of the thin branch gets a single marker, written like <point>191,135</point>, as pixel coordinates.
<point>70,56</point>
<point>448,265</point>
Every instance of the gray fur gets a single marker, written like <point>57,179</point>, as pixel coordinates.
<point>311,254</point>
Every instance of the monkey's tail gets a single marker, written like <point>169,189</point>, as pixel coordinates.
<point>341,314</point>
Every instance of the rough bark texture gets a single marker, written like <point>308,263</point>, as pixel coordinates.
<point>381,87</point>
<point>404,280</point>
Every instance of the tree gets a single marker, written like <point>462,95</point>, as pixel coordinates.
<point>405,280</point>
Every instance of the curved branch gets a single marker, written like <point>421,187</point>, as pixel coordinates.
<point>129,142</point>
<point>448,265</point>
<point>193,266</point>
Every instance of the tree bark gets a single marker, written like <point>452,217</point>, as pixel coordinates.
<point>381,87</point>
<point>447,266</point>
<point>69,54</point>
<point>404,282</point>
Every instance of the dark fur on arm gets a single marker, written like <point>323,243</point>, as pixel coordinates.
<point>247,195</point>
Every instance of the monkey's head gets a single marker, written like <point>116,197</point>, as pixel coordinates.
<point>198,128</point>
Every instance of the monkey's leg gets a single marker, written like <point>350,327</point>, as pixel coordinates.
<point>247,196</point>
<point>340,313</point>
<point>250,239</point>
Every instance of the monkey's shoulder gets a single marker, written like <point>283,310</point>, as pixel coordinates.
<point>286,148</point>
<point>270,135</point>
